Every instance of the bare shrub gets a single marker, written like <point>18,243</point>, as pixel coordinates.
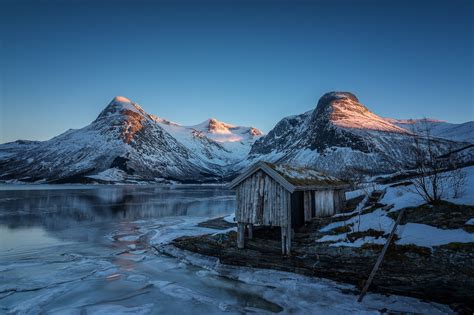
<point>438,175</point>
<point>458,182</point>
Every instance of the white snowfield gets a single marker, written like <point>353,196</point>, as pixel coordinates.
<point>215,141</point>
<point>410,233</point>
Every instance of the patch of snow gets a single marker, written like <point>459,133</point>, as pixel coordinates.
<point>361,241</point>
<point>332,238</point>
<point>110,175</point>
<point>429,236</point>
<point>230,218</point>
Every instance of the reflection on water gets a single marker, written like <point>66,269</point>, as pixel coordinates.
<point>24,239</point>
<point>54,209</point>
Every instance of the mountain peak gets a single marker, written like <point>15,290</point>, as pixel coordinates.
<point>124,115</point>
<point>217,126</point>
<point>329,98</point>
<point>334,95</point>
<point>120,105</point>
<point>121,99</point>
<point>343,109</point>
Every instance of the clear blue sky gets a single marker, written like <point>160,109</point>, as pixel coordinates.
<point>248,63</point>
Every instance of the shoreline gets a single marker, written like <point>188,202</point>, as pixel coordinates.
<point>442,274</point>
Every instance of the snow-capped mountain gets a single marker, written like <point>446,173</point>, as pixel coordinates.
<point>218,142</point>
<point>340,134</point>
<point>126,144</point>
<point>123,143</point>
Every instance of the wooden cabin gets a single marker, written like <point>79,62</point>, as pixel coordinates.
<point>284,196</point>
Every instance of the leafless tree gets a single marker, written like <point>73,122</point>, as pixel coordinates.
<point>437,175</point>
<point>458,182</point>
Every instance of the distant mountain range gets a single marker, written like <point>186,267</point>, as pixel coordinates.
<point>126,144</point>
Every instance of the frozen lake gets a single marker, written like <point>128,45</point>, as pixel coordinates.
<point>86,250</point>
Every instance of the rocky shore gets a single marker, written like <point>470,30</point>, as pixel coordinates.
<point>443,274</point>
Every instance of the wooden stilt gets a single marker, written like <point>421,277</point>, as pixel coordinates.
<point>240,235</point>
<point>288,240</point>
<point>284,239</point>
<point>250,230</point>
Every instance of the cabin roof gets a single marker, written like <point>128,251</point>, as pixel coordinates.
<point>292,177</point>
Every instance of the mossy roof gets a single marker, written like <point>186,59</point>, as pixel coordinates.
<point>304,176</point>
<point>293,177</point>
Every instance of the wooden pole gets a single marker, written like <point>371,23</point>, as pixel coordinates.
<point>240,235</point>
<point>284,239</point>
<point>250,229</point>
<point>380,259</point>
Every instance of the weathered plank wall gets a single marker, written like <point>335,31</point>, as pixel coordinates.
<point>329,202</point>
<point>339,200</point>
<point>324,201</point>
<point>261,200</point>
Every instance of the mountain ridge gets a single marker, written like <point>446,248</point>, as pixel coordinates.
<point>340,134</point>
<point>127,144</point>
<point>139,146</point>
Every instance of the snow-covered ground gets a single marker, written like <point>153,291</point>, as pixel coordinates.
<point>410,233</point>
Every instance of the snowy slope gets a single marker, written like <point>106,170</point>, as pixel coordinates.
<point>123,137</point>
<point>212,140</point>
<point>125,144</point>
<point>340,135</point>
<point>457,132</point>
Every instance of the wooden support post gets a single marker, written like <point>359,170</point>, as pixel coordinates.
<point>240,235</point>
<point>250,230</point>
<point>288,227</point>
<point>288,240</point>
<point>307,206</point>
<point>284,239</point>
<point>380,259</point>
